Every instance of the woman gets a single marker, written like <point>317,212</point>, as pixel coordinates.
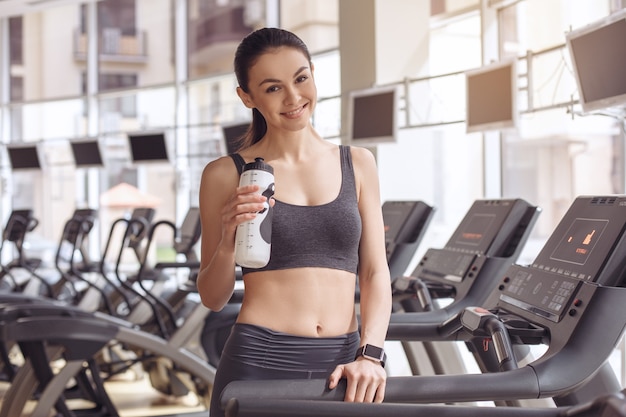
<point>298,318</point>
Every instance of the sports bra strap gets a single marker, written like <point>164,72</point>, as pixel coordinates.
<point>239,161</point>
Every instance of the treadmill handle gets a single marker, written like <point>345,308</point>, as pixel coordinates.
<point>481,322</point>
<point>418,287</point>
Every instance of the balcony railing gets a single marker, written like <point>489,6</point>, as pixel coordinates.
<point>114,46</point>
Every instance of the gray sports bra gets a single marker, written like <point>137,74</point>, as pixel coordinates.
<point>323,236</point>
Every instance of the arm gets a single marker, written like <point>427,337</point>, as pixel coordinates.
<point>374,279</point>
<point>223,206</point>
<point>366,379</point>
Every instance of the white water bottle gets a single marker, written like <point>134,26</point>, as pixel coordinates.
<point>253,237</point>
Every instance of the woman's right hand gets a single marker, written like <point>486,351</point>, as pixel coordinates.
<point>243,205</point>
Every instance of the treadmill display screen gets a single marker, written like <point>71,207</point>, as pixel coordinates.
<point>486,225</point>
<point>475,229</point>
<point>394,215</point>
<point>579,241</point>
<point>585,240</point>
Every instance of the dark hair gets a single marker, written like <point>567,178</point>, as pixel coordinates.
<point>249,50</point>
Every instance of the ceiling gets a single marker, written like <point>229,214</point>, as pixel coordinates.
<point>19,7</point>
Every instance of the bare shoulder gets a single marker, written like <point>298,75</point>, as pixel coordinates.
<point>220,164</point>
<point>362,159</point>
<point>220,171</point>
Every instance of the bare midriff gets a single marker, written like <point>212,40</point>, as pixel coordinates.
<point>309,302</point>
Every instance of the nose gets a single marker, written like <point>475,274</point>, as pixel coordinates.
<point>292,95</point>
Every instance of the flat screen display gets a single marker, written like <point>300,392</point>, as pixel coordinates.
<point>598,53</point>
<point>373,115</point>
<point>24,157</point>
<point>488,226</point>
<point>578,242</point>
<point>148,147</point>
<point>233,134</point>
<point>491,93</point>
<point>86,153</point>
<point>585,238</point>
<point>475,229</point>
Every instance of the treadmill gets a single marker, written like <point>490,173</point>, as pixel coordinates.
<point>405,225</point>
<point>486,242</point>
<point>571,299</point>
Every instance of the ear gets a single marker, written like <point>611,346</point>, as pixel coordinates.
<point>245,98</point>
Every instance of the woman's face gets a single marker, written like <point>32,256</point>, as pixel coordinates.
<point>281,87</point>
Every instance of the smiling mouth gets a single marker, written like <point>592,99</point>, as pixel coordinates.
<point>296,112</point>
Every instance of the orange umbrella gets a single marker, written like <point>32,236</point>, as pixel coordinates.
<point>127,196</point>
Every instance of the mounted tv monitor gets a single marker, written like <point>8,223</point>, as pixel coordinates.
<point>373,116</point>
<point>148,147</point>
<point>24,157</point>
<point>491,97</point>
<point>86,153</point>
<point>233,133</point>
<point>598,53</point>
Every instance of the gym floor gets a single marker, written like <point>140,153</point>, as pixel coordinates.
<point>136,398</point>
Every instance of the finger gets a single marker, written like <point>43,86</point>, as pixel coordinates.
<point>351,391</point>
<point>369,392</point>
<point>380,393</point>
<point>334,377</point>
<point>245,189</point>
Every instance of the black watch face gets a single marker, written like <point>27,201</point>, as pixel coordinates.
<point>373,351</point>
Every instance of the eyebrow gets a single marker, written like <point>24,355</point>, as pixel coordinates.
<point>273,80</point>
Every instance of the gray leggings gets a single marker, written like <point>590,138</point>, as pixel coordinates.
<point>254,352</point>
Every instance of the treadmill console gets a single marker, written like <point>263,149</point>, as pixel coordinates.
<point>586,239</point>
<point>588,245</point>
<point>490,228</point>
<point>405,225</point>
<point>544,294</point>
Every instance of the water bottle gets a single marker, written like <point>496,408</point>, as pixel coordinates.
<point>253,237</point>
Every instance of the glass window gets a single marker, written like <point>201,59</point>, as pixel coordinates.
<point>455,46</point>
<point>435,160</point>
<point>16,37</point>
<point>327,117</point>
<point>443,7</point>
<point>557,153</point>
<point>48,120</point>
<point>136,40</point>
<point>45,40</point>
<point>214,29</point>
<point>316,22</point>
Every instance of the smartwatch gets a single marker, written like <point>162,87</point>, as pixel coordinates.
<point>372,352</point>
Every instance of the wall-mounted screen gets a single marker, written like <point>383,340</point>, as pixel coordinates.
<point>598,53</point>
<point>491,97</point>
<point>24,157</point>
<point>148,147</point>
<point>373,116</point>
<point>232,135</point>
<point>86,153</point>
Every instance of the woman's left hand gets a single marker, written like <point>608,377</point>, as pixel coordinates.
<point>366,380</point>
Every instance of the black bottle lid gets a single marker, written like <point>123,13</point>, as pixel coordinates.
<point>258,164</point>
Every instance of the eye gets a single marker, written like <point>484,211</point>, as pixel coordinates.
<point>302,79</point>
<point>272,89</point>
